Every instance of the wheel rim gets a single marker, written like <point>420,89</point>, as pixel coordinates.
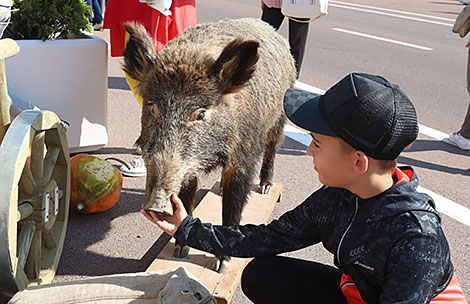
<point>34,199</point>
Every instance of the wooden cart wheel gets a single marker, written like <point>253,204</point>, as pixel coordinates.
<point>34,199</point>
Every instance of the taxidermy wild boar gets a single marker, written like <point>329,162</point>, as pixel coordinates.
<point>213,97</point>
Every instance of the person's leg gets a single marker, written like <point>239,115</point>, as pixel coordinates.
<point>465,128</point>
<point>281,279</point>
<point>97,14</point>
<point>461,138</point>
<point>298,32</point>
<point>273,16</point>
<point>90,4</point>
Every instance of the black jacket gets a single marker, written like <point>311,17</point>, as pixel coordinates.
<point>392,245</point>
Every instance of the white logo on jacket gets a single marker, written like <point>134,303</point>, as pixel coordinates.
<point>364,266</point>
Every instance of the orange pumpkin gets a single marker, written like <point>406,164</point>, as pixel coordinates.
<point>95,184</point>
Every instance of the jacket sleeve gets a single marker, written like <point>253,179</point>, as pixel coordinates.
<point>415,269</point>
<point>294,230</point>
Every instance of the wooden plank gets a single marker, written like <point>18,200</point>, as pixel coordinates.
<point>202,264</point>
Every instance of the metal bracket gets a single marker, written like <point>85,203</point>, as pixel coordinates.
<point>47,197</point>
<point>56,200</point>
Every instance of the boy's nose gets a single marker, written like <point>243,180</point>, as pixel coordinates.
<point>309,150</point>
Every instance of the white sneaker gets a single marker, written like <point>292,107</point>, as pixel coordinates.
<point>136,168</point>
<point>464,1</point>
<point>99,26</point>
<point>459,141</point>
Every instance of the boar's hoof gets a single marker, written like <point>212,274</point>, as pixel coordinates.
<point>223,263</point>
<point>181,251</point>
<point>264,188</point>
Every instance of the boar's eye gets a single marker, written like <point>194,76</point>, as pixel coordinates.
<point>153,109</point>
<point>201,115</point>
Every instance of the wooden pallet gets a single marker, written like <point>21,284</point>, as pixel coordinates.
<point>202,264</point>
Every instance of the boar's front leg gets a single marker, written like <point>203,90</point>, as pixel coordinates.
<point>236,184</point>
<point>273,141</point>
<point>187,195</point>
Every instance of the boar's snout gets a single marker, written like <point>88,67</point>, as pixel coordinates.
<point>159,201</point>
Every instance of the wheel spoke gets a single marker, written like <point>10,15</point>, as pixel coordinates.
<point>24,210</point>
<point>49,240</point>
<point>24,242</point>
<point>37,155</point>
<point>27,183</point>
<point>50,161</point>
<point>33,264</point>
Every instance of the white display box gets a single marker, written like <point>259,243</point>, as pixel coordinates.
<point>70,78</point>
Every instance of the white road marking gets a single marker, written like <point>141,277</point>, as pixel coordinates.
<point>393,15</point>
<point>432,133</point>
<point>443,205</point>
<point>425,48</point>
<point>448,207</point>
<point>392,10</point>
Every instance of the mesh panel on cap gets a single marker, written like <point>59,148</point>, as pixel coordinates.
<point>370,114</point>
<point>371,119</point>
<point>405,129</point>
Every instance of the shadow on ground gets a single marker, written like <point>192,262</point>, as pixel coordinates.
<point>84,231</point>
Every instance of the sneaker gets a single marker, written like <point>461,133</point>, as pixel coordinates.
<point>464,1</point>
<point>458,140</point>
<point>98,26</point>
<point>136,168</point>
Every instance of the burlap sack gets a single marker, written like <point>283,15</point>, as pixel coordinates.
<point>171,286</point>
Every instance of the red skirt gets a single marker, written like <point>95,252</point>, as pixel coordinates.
<point>160,27</point>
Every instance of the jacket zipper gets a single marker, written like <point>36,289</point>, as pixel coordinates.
<point>344,234</point>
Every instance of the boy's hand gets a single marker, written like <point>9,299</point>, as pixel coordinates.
<point>166,222</point>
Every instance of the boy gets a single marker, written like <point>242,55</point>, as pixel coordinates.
<point>386,238</point>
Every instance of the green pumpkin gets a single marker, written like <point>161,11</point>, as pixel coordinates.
<point>95,184</point>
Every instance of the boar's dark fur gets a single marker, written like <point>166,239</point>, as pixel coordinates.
<point>212,98</point>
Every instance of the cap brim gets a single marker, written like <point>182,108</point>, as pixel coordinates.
<point>303,109</point>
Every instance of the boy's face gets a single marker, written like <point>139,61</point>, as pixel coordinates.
<point>333,164</point>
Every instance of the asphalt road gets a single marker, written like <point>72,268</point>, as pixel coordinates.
<point>408,42</point>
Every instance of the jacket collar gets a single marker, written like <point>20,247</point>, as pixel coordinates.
<point>400,198</point>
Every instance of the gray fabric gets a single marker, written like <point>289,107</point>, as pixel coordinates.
<point>163,287</point>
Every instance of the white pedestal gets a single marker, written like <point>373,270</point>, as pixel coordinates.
<point>70,78</point>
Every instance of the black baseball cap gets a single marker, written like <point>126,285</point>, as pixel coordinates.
<point>366,111</point>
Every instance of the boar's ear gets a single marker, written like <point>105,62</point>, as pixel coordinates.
<point>236,64</point>
<point>139,51</point>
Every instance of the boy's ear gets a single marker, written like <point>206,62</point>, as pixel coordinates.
<point>361,163</point>
<point>139,51</point>
<point>236,64</point>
